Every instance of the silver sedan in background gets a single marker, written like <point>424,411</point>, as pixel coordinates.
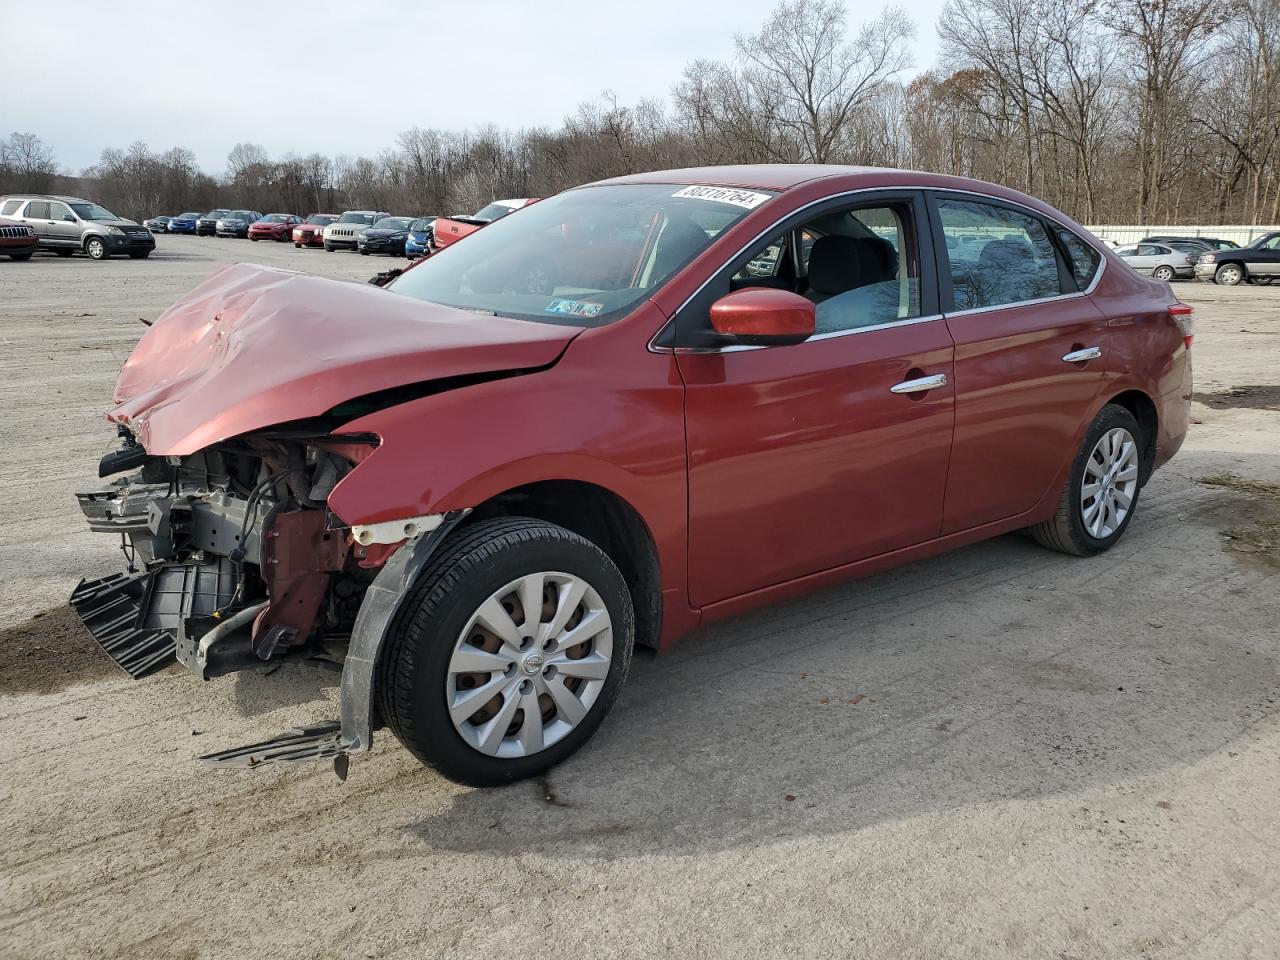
<point>1161,262</point>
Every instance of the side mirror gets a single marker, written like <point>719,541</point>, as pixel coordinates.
<point>69,217</point>
<point>762,316</point>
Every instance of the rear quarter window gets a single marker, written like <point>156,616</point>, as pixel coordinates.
<point>1082,258</point>
<point>10,207</point>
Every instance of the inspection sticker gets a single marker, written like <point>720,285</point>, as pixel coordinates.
<point>574,308</point>
<point>747,199</point>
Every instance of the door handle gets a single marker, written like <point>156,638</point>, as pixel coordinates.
<point>920,385</point>
<point>1078,356</point>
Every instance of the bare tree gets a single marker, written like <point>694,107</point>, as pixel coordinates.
<point>27,163</point>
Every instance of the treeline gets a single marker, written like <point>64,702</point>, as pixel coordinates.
<point>1138,111</point>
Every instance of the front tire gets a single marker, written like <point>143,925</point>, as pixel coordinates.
<point>96,249</point>
<point>1102,489</point>
<point>480,691</point>
<point>1164,273</point>
<point>1229,274</point>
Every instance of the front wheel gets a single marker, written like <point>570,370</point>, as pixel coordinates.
<point>1102,490</point>
<point>1229,274</point>
<point>513,646</point>
<point>96,249</point>
<point>1164,273</point>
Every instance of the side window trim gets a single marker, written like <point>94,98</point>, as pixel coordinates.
<point>942,269</point>
<point>680,333</point>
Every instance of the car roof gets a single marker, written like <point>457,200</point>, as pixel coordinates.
<point>43,196</point>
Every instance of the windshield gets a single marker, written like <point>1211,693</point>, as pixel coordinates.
<point>422,223</point>
<point>323,219</point>
<point>91,211</point>
<point>584,257</point>
<point>275,218</point>
<point>365,218</point>
<point>392,223</point>
<point>240,215</point>
<point>492,212</point>
<point>188,216</point>
<point>215,214</point>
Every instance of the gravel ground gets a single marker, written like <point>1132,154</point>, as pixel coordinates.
<point>999,752</point>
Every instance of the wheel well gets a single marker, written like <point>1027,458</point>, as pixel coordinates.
<point>605,519</point>
<point>1144,411</point>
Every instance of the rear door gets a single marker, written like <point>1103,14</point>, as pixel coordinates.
<point>803,458</point>
<point>36,215</point>
<point>1030,352</point>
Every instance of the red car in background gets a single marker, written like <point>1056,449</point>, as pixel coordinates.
<point>274,226</point>
<point>311,232</point>
<point>447,230</point>
<point>640,407</point>
<point>17,240</point>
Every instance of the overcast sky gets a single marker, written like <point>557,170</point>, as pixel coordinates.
<point>345,77</point>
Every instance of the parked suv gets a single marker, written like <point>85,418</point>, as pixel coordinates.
<point>207,225</point>
<point>344,232</point>
<point>236,223</point>
<point>68,224</point>
<point>590,426</point>
<point>17,240</point>
<point>1259,263</point>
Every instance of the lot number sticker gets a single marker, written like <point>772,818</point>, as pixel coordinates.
<point>747,199</point>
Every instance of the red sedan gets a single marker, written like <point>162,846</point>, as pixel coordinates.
<point>274,226</point>
<point>448,230</point>
<point>639,407</point>
<point>311,232</point>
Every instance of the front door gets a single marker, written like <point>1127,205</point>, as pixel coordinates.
<point>64,228</point>
<point>1030,354</point>
<point>803,458</point>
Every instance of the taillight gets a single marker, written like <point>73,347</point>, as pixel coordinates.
<point>1182,315</point>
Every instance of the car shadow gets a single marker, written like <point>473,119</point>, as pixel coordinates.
<point>996,673</point>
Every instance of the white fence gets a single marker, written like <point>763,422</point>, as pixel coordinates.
<point>1132,234</point>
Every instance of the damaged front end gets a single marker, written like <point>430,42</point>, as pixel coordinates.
<point>232,559</point>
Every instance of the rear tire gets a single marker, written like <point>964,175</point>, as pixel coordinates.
<point>1229,274</point>
<point>1080,526</point>
<point>422,695</point>
<point>142,255</point>
<point>64,252</point>
<point>19,256</point>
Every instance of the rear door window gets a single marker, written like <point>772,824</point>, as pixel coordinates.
<point>38,210</point>
<point>998,255</point>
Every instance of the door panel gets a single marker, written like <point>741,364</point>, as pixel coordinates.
<point>801,459</point>
<point>1019,406</point>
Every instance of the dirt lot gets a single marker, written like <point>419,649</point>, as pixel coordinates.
<point>1000,752</point>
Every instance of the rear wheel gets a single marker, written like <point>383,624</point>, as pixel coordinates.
<point>64,252</point>
<point>1229,274</point>
<point>140,255</point>
<point>1163,273</point>
<point>96,248</point>
<point>513,646</point>
<point>19,256</point>
<point>1102,490</point>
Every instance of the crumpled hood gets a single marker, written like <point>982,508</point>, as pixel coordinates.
<point>253,346</point>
